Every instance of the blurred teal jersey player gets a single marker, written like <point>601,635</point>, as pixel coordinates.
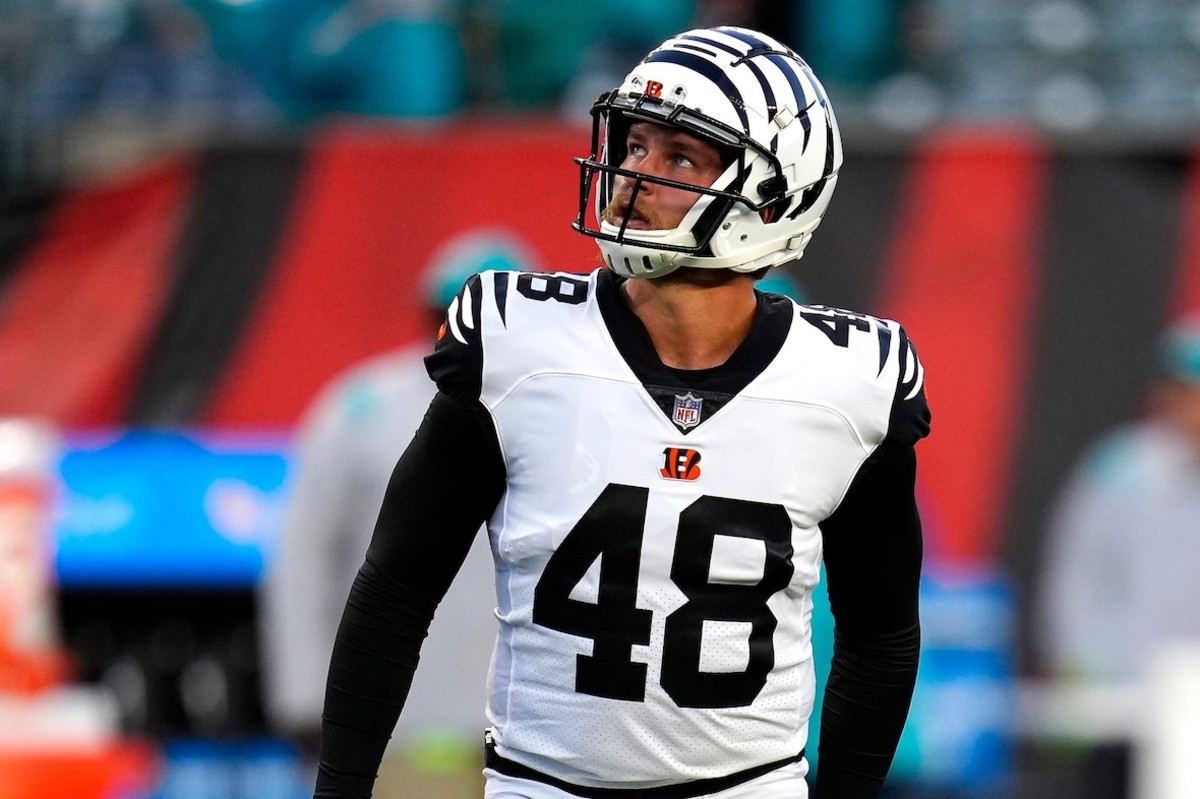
<point>345,448</point>
<point>1119,578</point>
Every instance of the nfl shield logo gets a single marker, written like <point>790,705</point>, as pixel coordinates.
<point>687,411</point>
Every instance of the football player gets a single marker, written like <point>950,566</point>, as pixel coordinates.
<point>663,456</point>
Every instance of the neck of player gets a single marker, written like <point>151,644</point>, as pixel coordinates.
<point>696,318</point>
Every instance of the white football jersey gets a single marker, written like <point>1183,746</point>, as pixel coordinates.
<point>658,541</point>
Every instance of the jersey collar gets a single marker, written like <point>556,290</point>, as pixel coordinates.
<point>717,385</point>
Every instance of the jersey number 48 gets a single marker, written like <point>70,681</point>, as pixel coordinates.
<point>612,530</point>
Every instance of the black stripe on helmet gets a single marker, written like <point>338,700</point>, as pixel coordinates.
<point>757,45</point>
<point>816,85</point>
<point>786,66</point>
<point>810,195</point>
<point>768,92</point>
<point>829,148</point>
<point>709,70</point>
<point>693,48</point>
<point>728,48</point>
<point>788,62</point>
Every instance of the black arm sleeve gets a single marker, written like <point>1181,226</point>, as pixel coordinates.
<point>443,488</point>
<point>873,564</point>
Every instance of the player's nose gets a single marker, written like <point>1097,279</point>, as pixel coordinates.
<point>626,185</point>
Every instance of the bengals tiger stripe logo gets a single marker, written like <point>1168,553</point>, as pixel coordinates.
<point>680,464</point>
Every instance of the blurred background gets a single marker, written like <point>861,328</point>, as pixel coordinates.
<point>210,210</point>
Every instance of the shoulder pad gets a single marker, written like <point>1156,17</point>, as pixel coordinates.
<point>503,302</point>
<point>456,364</point>
<point>910,417</point>
<point>882,346</point>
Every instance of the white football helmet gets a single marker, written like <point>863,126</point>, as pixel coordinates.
<point>754,98</point>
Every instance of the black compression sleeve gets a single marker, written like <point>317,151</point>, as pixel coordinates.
<point>873,564</point>
<point>444,486</point>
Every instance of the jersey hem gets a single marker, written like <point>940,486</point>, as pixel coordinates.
<point>682,790</point>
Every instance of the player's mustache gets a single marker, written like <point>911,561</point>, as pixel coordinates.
<point>619,209</point>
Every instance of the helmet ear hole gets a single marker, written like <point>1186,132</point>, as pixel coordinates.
<point>772,191</point>
<point>775,211</point>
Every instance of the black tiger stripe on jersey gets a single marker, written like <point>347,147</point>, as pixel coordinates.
<point>463,314</point>
<point>456,363</point>
<point>908,360</point>
<point>909,420</point>
<point>501,295</point>
<point>885,346</point>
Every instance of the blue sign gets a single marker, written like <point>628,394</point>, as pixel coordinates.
<point>960,726</point>
<point>150,508</point>
<point>957,739</point>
